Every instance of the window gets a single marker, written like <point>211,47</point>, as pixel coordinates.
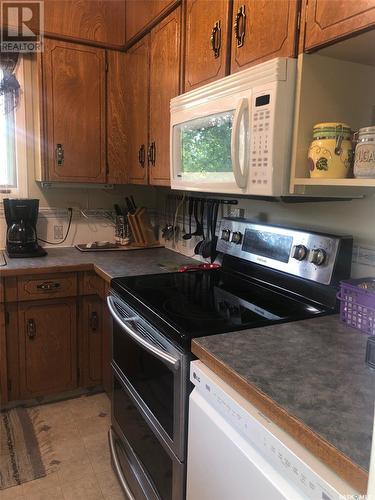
<point>13,166</point>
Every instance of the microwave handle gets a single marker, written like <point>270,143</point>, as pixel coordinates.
<point>239,176</point>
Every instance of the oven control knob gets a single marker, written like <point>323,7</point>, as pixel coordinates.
<point>317,256</point>
<point>225,234</point>
<point>299,252</point>
<point>236,237</point>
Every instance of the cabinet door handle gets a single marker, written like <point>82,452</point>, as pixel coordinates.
<point>60,155</point>
<point>47,286</point>
<point>151,155</point>
<point>216,39</point>
<point>31,328</point>
<point>142,155</point>
<point>94,321</point>
<point>240,26</point>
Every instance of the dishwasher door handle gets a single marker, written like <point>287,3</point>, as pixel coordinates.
<point>122,322</point>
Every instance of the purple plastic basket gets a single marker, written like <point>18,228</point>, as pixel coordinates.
<point>357,305</point>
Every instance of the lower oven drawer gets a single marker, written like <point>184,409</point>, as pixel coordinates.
<point>146,464</point>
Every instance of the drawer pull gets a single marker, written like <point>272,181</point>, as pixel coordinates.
<point>31,328</point>
<point>94,321</point>
<point>48,286</point>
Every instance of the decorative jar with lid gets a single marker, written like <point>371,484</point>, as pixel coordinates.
<point>330,153</point>
<point>364,159</point>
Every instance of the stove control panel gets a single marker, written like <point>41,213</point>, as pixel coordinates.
<point>308,255</point>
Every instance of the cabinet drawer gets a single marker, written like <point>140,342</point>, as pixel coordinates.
<point>47,286</point>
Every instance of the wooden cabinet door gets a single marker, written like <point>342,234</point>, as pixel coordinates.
<point>107,351</point>
<point>101,21</point>
<point>47,344</point>
<point>137,110</point>
<point>164,84</point>
<point>329,20</point>
<point>265,29</point>
<point>74,101</point>
<point>116,118</point>
<point>206,41</point>
<point>3,359</point>
<point>141,14</point>
<point>91,340</point>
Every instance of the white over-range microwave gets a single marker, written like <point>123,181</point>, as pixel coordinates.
<point>235,135</point>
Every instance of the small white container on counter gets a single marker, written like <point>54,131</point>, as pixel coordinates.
<point>364,159</point>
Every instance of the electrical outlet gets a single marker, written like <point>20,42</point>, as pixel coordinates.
<point>366,256</point>
<point>58,232</point>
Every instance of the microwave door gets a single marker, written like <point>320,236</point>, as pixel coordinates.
<point>240,143</point>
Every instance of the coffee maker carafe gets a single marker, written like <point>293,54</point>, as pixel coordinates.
<point>21,217</point>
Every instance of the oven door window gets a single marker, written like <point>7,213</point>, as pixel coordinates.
<point>156,461</point>
<point>149,377</point>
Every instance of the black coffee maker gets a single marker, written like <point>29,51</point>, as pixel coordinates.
<point>21,217</point>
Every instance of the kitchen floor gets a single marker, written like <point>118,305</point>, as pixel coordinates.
<point>79,440</point>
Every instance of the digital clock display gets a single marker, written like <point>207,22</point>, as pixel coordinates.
<point>271,245</point>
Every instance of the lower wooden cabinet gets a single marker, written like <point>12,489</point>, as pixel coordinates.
<point>91,336</point>
<point>47,347</point>
<point>3,358</point>
<point>56,344</point>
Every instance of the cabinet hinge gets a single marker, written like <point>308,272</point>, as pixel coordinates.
<point>106,67</point>
<point>9,384</point>
<point>7,318</point>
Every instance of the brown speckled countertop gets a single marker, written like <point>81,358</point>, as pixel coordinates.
<point>310,377</point>
<point>107,264</point>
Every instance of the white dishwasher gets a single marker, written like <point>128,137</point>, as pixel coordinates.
<point>236,453</point>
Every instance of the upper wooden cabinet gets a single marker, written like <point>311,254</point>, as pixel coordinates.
<point>331,20</point>
<point>263,29</point>
<point>153,69</point>
<point>100,21</point>
<point>74,104</point>
<point>164,84</point>
<point>137,107</point>
<point>140,15</point>
<point>117,117</point>
<point>206,41</point>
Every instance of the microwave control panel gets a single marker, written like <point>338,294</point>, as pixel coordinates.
<point>260,171</point>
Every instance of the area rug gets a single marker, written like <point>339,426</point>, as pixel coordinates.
<point>26,451</point>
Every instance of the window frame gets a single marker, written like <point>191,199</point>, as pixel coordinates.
<point>21,133</point>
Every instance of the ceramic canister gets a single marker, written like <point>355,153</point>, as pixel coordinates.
<point>364,159</point>
<point>330,153</point>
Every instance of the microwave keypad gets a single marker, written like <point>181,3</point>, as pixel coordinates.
<point>260,147</point>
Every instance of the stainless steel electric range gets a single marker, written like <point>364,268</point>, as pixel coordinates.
<point>269,274</point>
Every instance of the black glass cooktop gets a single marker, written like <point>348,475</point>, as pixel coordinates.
<point>201,303</point>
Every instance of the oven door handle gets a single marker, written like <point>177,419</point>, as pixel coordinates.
<point>239,115</point>
<point>167,358</point>
<point>117,467</point>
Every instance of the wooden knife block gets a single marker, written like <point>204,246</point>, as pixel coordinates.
<point>140,226</point>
